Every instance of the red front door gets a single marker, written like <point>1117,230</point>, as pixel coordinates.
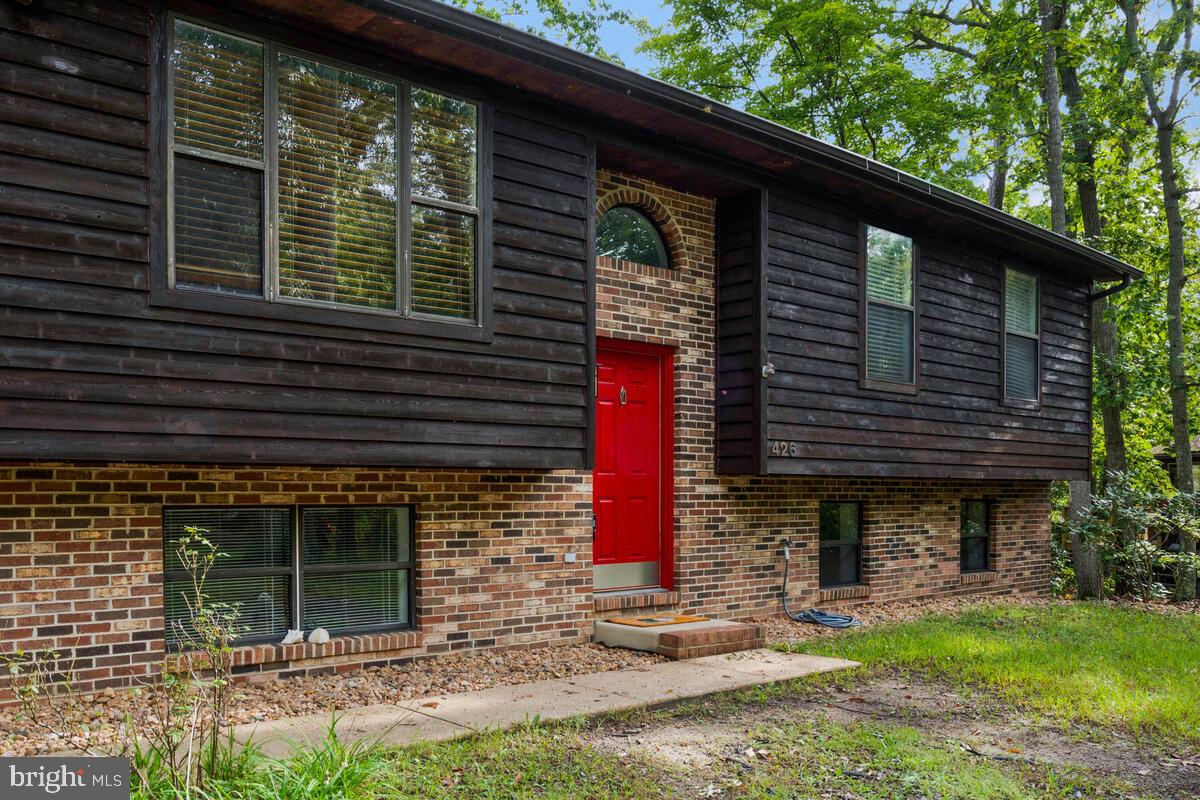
<point>630,479</point>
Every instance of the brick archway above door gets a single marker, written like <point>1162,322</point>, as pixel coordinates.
<point>653,208</point>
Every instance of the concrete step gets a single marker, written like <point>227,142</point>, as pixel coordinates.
<point>683,639</point>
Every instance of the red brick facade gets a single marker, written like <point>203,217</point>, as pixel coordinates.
<point>728,529</point>
<point>81,559</point>
<point>81,546</point>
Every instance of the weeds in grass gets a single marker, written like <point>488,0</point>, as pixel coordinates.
<point>878,762</point>
<point>1112,666</point>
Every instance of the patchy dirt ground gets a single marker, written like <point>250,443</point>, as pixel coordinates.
<point>97,719</point>
<point>714,736</point>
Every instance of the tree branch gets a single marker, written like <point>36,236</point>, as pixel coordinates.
<point>922,41</point>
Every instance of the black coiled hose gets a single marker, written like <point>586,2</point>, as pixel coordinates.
<point>813,615</point>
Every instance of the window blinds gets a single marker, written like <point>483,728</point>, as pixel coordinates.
<point>443,236</point>
<point>218,92</point>
<point>345,192</point>
<point>890,308</point>
<point>218,131</point>
<point>355,566</point>
<point>337,185</point>
<point>1021,337</point>
<point>252,572</point>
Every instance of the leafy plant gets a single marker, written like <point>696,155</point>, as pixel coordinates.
<point>1128,522</point>
<point>184,742</point>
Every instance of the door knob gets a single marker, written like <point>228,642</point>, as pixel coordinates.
<point>622,395</point>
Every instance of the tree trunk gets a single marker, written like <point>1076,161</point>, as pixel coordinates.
<point>998,182</point>
<point>1051,97</point>
<point>1165,116</point>
<point>1185,584</point>
<point>1105,336</point>
<point>1085,557</point>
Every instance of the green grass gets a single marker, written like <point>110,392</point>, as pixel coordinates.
<point>1118,667</point>
<point>800,760</point>
<point>876,762</point>
<point>545,762</point>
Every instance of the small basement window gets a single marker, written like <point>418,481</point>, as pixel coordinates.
<point>976,536</point>
<point>345,569</point>
<point>627,234</point>
<point>841,544</point>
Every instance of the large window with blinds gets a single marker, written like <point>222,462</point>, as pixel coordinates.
<point>295,179</point>
<point>347,569</point>
<point>1022,336</point>
<point>889,308</point>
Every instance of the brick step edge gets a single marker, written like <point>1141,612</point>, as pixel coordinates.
<point>728,638</point>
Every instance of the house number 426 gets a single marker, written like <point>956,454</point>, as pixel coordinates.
<point>785,449</point>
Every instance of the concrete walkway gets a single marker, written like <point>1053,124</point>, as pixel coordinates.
<point>453,715</point>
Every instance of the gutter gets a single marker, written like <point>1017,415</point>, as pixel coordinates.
<point>1120,287</point>
<point>465,26</point>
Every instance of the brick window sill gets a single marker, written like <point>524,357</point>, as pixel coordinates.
<point>982,576</point>
<point>617,601</point>
<point>336,646</point>
<point>856,592</point>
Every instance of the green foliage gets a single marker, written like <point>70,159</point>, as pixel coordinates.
<point>1129,522</point>
<point>1062,570</point>
<point>530,761</point>
<point>835,69</point>
<point>1114,666</point>
<point>579,25</point>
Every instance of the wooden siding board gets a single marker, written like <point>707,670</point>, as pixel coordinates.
<point>37,114</point>
<point>89,369</point>
<point>740,321</point>
<point>956,425</point>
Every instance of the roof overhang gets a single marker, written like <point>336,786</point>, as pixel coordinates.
<point>459,41</point>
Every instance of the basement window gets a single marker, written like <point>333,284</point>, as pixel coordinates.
<point>976,536</point>
<point>841,544</point>
<point>347,569</point>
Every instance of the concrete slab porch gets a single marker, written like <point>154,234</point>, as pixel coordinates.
<point>450,716</point>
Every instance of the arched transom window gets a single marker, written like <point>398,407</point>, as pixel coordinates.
<point>626,233</point>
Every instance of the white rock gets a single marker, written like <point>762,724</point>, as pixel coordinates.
<point>318,636</point>
<point>293,637</point>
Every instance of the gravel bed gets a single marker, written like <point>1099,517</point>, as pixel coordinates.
<point>100,717</point>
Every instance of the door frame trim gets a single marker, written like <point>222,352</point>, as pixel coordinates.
<point>665,355</point>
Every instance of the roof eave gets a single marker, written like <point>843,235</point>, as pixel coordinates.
<point>479,30</point>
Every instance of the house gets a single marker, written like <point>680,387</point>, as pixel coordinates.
<point>453,338</point>
<point>1166,457</point>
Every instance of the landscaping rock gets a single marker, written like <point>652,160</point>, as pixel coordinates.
<point>277,699</point>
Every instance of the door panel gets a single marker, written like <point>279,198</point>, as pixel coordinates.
<point>628,482</point>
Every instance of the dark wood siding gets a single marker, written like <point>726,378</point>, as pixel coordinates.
<point>956,424</point>
<point>740,340</point>
<point>90,369</point>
